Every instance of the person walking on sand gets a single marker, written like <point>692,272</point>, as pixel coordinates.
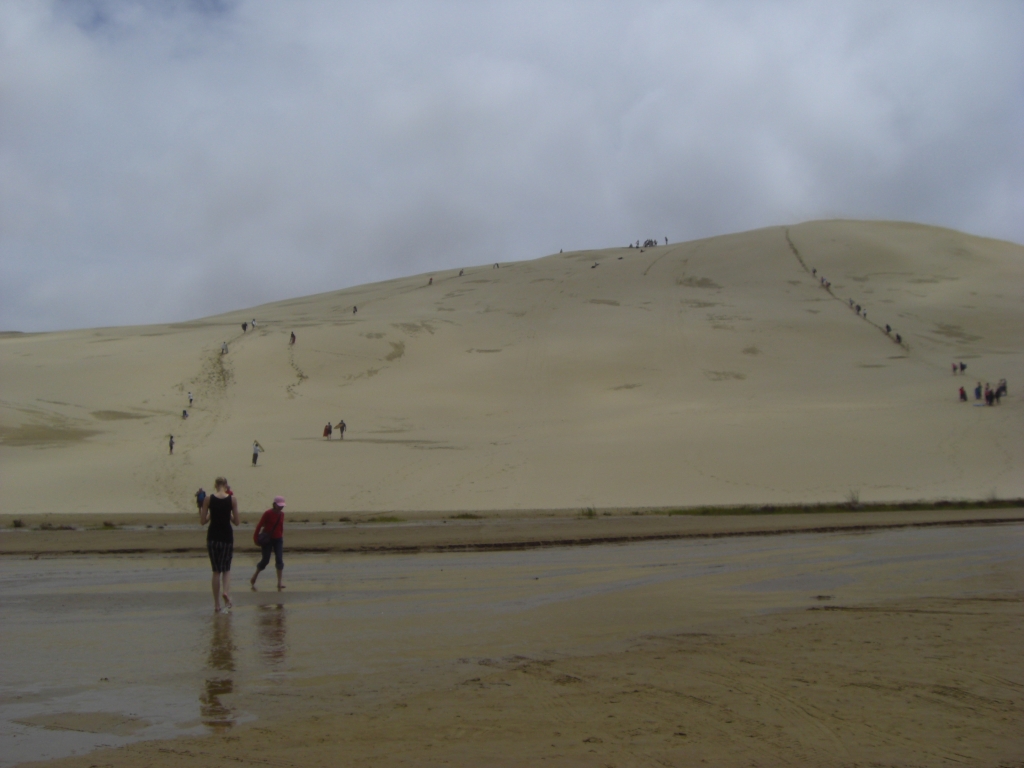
<point>245,327</point>
<point>963,395</point>
<point>223,347</point>
<point>220,510</point>
<point>257,449</point>
<point>200,496</point>
<point>170,444</point>
<point>341,427</point>
<point>269,537</point>
<point>189,399</point>
<point>327,430</point>
<point>293,338</point>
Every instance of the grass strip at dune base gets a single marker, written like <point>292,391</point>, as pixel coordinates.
<point>125,534</point>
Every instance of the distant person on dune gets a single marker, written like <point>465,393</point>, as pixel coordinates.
<point>899,339</point>
<point>220,510</point>
<point>257,449</point>
<point>342,426</point>
<point>170,444</point>
<point>269,537</point>
<point>223,347</point>
<point>430,281</point>
<point>253,323</point>
<point>327,431</point>
<point>354,309</point>
<point>887,328</point>
<point>954,369</point>
<point>963,366</point>
<point>977,391</point>
<point>184,413</point>
<point>293,338</point>
<point>200,495</point>
<point>245,327</point>
<point>963,394</point>
<point>189,399</point>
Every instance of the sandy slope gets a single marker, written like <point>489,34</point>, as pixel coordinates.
<point>716,371</point>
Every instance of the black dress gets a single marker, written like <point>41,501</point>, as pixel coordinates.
<point>220,539</point>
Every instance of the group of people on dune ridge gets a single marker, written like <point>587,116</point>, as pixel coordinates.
<point>992,395</point>
<point>329,429</point>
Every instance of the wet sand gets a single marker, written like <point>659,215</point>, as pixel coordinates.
<point>893,647</point>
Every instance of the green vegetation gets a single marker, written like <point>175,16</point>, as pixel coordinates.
<point>385,519</point>
<point>853,505</point>
<point>466,516</point>
<point>589,513</point>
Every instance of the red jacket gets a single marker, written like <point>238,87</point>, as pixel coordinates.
<point>272,522</point>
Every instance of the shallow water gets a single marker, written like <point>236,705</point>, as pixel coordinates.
<point>108,650</point>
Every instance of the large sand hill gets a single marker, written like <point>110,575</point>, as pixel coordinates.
<point>717,371</point>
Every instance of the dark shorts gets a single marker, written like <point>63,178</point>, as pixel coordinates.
<point>220,555</point>
<point>277,547</point>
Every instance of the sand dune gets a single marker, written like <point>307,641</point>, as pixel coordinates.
<point>717,371</point>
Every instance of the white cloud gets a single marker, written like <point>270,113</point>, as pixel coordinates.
<point>161,161</point>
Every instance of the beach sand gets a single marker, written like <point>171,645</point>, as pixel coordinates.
<point>890,647</point>
<point>717,371</point>
<point>440,607</point>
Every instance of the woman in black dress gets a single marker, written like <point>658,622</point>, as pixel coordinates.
<point>220,510</point>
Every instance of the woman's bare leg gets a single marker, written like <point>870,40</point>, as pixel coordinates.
<point>280,573</point>
<point>252,581</point>
<point>225,579</point>
<point>216,591</point>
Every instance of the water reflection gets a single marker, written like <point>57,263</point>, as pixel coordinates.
<point>270,626</point>
<point>214,713</point>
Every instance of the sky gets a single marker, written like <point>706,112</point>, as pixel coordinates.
<point>164,160</point>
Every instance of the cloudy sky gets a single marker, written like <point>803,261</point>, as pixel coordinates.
<point>163,160</point>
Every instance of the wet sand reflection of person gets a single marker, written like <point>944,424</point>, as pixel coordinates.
<point>271,629</point>
<point>216,714</point>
